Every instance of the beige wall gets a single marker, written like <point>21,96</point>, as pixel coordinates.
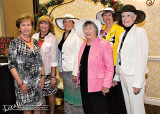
<point>2,21</point>
<point>14,8</point>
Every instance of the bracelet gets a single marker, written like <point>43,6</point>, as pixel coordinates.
<point>53,77</point>
<point>21,84</point>
<point>43,75</point>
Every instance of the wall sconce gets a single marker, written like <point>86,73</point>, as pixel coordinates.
<point>150,2</point>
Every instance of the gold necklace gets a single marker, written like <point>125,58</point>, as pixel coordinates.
<point>41,39</point>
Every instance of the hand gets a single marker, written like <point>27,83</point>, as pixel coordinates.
<point>74,79</point>
<point>42,82</point>
<point>53,82</point>
<point>24,88</point>
<point>136,90</point>
<point>114,83</point>
<point>105,90</point>
<point>61,74</point>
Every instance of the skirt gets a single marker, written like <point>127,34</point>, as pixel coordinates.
<point>72,95</point>
<point>48,90</point>
<point>30,101</point>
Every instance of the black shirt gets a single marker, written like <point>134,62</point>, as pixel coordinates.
<point>62,41</point>
<point>84,68</point>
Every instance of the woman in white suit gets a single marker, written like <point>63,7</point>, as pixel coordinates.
<point>132,59</point>
<point>68,50</point>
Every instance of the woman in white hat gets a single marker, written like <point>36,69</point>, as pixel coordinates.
<point>132,59</point>
<point>111,32</point>
<point>69,47</point>
<point>95,61</point>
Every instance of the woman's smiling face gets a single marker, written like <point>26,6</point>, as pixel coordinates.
<point>128,18</point>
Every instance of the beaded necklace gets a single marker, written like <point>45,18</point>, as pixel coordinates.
<point>42,38</point>
<point>25,40</point>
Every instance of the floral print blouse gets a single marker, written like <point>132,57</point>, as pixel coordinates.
<point>113,38</point>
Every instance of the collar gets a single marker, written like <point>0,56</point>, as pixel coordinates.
<point>44,36</point>
<point>113,26</point>
<point>94,41</point>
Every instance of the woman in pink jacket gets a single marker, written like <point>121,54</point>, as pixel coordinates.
<point>95,62</point>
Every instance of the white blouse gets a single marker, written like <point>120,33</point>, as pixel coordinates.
<point>49,52</point>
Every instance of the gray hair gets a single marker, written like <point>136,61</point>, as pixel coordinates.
<point>88,23</point>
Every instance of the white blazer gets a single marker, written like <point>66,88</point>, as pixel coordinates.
<point>49,51</point>
<point>68,57</point>
<point>134,55</point>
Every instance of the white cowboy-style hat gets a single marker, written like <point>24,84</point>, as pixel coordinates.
<point>99,14</point>
<point>59,21</point>
<point>79,26</point>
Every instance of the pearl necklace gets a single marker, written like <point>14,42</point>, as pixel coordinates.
<point>25,40</point>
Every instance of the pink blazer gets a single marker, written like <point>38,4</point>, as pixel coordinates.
<point>100,65</point>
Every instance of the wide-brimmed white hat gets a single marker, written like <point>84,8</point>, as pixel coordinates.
<point>79,26</point>
<point>59,21</point>
<point>99,14</point>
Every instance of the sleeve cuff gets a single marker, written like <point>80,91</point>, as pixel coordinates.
<point>116,78</point>
<point>54,64</point>
<point>138,85</point>
<point>74,74</point>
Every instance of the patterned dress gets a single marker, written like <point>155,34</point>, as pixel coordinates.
<point>28,64</point>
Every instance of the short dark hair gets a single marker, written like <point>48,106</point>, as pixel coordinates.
<point>68,19</point>
<point>88,23</point>
<point>107,12</point>
<point>113,14</point>
<point>23,17</point>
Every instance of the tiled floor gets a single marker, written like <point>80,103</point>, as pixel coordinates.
<point>151,109</point>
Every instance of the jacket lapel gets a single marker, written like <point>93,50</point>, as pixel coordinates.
<point>112,31</point>
<point>69,37</point>
<point>91,51</point>
<point>127,39</point>
<point>93,48</point>
<point>81,52</point>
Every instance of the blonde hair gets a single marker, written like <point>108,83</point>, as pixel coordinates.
<point>23,17</point>
<point>45,18</point>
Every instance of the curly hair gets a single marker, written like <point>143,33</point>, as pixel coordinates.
<point>23,17</point>
<point>45,18</point>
